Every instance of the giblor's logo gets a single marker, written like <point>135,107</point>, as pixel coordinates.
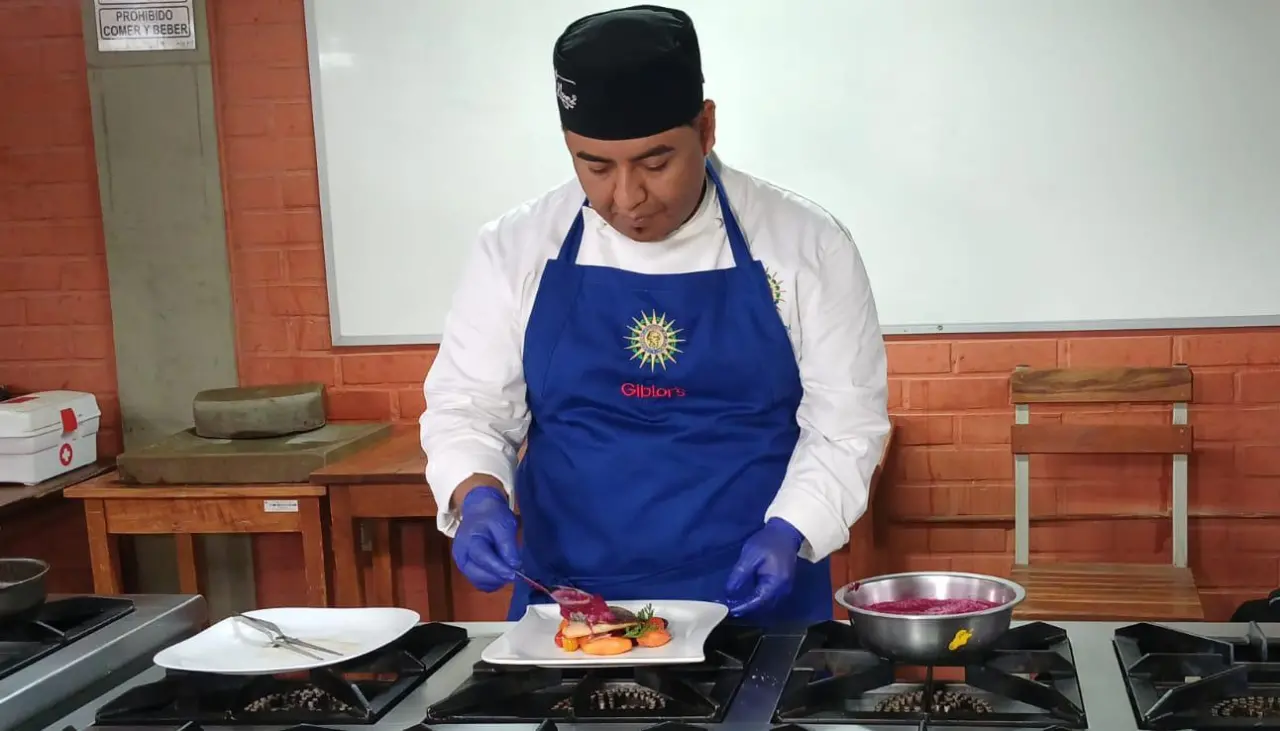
<point>775,286</point>
<point>643,390</point>
<point>653,340</point>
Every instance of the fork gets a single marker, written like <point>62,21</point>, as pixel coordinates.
<point>282,640</point>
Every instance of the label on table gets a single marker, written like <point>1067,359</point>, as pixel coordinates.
<point>279,506</point>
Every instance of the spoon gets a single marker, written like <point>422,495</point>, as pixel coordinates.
<point>535,584</point>
<point>575,604</point>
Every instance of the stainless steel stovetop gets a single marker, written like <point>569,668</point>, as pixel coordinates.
<point>78,673</point>
<point>1101,680</point>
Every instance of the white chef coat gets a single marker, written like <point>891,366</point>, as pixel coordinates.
<point>477,415</point>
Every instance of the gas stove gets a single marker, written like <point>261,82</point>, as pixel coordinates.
<point>54,625</point>
<point>1060,676</point>
<point>1026,680</point>
<point>361,691</point>
<point>73,648</point>
<point>1204,680</point>
<point>636,694</point>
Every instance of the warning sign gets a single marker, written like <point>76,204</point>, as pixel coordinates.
<point>145,25</point>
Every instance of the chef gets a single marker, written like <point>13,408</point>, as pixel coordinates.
<point>689,355</point>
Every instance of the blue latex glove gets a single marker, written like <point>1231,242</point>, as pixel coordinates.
<point>484,547</point>
<point>765,569</point>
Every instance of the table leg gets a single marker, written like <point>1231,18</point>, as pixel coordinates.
<point>346,569</point>
<point>188,555</point>
<point>439,587</point>
<point>313,553</point>
<point>382,589</point>
<point>104,550</point>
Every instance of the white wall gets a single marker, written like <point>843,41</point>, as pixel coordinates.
<point>1003,164</point>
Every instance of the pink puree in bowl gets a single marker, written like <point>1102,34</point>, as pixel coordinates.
<point>922,606</point>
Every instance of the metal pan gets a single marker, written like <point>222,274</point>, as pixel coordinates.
<point>22,585</point>
<point>930,639</point>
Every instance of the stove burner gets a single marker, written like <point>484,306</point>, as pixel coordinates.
<point>943,701</point>
<point>685,693</point>
<point>620,698</point>
<point>1179,680</point>
<point>358,691</point>
<point>1026,679</point>
<point>54,625</point>
<point>1251,706</point>
<point>312,700</point>
<point>545,725</point>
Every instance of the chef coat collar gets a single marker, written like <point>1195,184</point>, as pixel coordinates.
<point>705,218</point>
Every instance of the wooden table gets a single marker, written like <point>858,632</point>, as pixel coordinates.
<point>113,509</point>
<point>375,486</point>
<point>36,521</point>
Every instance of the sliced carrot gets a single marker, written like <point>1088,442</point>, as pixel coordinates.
<point>607,646</point>
<point>654,638</point>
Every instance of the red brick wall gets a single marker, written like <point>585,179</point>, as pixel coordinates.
<point>277,260</point>
<point>55,312</point>
<point>952,467</point>
<point>273,217</point>
<point>950,396</point>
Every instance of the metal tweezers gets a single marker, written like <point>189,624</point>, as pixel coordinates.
<point>282,640</point>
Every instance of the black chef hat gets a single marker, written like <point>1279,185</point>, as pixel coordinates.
<point>628,73</point>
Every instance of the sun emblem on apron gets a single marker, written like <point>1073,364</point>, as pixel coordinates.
<point>653,340</point>
<point>775,286</point>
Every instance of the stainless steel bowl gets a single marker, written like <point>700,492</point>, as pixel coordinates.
<point>930,639</point>
<point>22,585</point>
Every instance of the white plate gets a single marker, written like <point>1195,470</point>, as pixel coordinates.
<point>532,640</point>
<point>231,647</point>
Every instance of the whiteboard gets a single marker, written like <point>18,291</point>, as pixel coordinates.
<point>1004,165</point>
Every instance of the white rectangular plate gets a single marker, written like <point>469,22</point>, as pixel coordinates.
<point>532,640</point>
<point>231,647</point>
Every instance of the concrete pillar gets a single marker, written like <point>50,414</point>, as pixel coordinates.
<point>163,215</point>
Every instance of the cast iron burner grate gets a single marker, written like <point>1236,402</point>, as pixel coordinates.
<point>54,625</point>
<point>548,725</point>
<point>639,694</point>
<point>1027,679</point>
<point>193,726</point>
<point>1179,680</point>
<point>358,691</point>
<point>543,726</point>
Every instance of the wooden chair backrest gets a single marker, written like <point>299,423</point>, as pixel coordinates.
<point>1101,386</point>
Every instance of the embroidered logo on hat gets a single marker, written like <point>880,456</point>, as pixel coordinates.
<point>568,101</point>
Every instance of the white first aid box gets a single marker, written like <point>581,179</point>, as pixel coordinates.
<point>43,435</point>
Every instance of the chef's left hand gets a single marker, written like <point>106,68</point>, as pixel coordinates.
<point>765,569</point>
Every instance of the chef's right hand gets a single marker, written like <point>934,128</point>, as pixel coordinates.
<point>484,547</point>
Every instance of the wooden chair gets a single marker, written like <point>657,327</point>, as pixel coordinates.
<point>1103,591</point>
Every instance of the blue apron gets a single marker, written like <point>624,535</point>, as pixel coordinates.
<point>663,420</point>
